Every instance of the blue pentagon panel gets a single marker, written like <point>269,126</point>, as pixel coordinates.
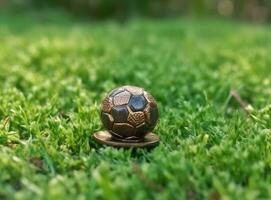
<point>120,113</point>
<point>115,92</point>
<point>137,103</point>
<point>107,120</point>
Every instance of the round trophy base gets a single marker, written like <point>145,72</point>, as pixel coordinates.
<point>104,137</point>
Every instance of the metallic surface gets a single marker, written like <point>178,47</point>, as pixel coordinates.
<point>150,99</point>
<point>121,98</point>
<point>104,137</point>
<point>107,104</point>
<point>123,129</point>
<point>107,120</point>
<point>133,90</point>
<point>129,113</point>
<point>120,114</point>
<point>136,118</point>
<point>151,115</point>
<point>137,103</point>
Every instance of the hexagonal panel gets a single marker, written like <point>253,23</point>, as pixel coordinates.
<point>121,98</point>
<point>133,90</point>
<point>107,104</point>
<point>120,113</point>
<point>115,91</point>
<point>123,129</point>
<point>107,120</point>
<point>136,118</point>
<point>137,103</point>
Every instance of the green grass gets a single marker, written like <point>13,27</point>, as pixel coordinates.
<point>54,73</point>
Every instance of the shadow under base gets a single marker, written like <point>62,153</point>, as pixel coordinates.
<point>104,137</point>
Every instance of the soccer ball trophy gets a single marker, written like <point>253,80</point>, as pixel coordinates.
<point>129,114</point>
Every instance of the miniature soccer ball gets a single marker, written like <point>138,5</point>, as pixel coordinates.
<point>129,113</point>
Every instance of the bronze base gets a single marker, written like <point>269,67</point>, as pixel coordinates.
<point>104,137</point>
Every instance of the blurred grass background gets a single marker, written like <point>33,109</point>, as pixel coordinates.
<point>252,10</point>
<point>211,78</point>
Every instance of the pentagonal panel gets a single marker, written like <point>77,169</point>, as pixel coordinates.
<point>121,98</point>
<point>107,104</point>
<point>150,99</point>
<point>107,120</point>
<point>134,90</point>
<point>136,118</point>
<point>115,91</point>
<point>123,129</point>
<point>137,103</point>
<point>120,113</point>
<point>151,114</point>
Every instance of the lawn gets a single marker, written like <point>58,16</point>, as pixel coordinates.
<point>211,80</point>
